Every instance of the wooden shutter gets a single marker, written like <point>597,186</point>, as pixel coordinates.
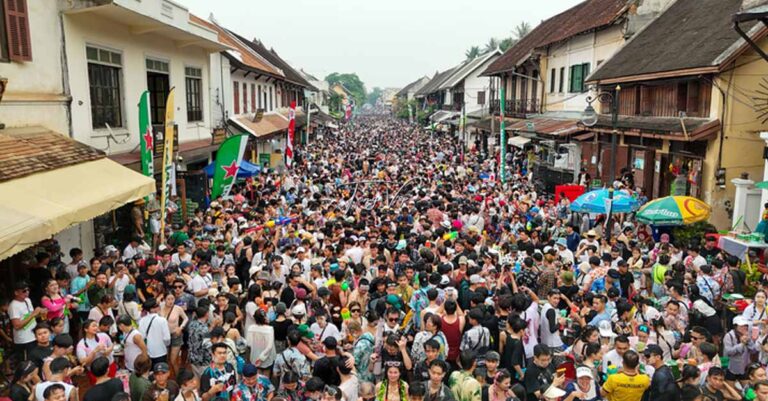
<point>584,75</point>
<point>17,30</point>
<point>253,98</point>
<point>245,97</point>
<point>552,81</point>
<point>236,92</point>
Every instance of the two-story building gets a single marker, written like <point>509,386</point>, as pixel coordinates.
<point>688,105</point>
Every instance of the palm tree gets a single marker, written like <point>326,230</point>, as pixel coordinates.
<point>492,45</point>
<point>506,43</point>
<point>522,29</point>
<point>473,52</point>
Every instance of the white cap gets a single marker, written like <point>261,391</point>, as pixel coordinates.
<point>605,329</point>
<point>740,321</point>
<point>301,249</point>
<point>554,392</point>
<point>299,309</point>
<point>583,371</point>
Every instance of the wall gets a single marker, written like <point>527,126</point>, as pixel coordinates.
<point>35,94</point>
<point>742,146</point>
<point>474,83</point>
<point>588,48</point>
<point>240,78</point>
<point>82,29</point>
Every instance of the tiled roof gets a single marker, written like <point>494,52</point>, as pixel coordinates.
<point>583,17</point>
<point>545,126</point>
<point>435,82</point>
<point>26,151</point>
<point>291,74</point>
<point>666,43</point>
<point>404,91</point>
<point>270,123</point>
<point>241,53</point>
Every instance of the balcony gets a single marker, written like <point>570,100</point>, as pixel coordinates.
<point>451,107</point>
<point>516,108</point>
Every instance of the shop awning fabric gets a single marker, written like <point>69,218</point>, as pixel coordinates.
<point>37,206</point>
<point>518,141</point>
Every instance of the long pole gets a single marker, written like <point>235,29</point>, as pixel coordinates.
<point>309,112</point>
<point>614,131</point>
<point>608,222</point>
<point>503,138</point>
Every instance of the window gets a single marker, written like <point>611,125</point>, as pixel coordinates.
<point>577,74</point>
<point>236,94</point>
<point>552,81</point>
<point>194,82</point>
<point>16,43</point>
<point>481,97</point>
<point>3,37</point>
<point>562,80</point>
<point>158,84</point>
<point>253,98</point>
<point>158,66</point>
<point>270,98</point>
<point>261,104</point>
<point>245,97</point>
<point>104,70</point>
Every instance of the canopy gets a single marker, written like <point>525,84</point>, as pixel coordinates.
<point>247,169</point>
<point>35,207</point>
<point>518,141</point>
<point>596,202</point>
<point>674,211</point>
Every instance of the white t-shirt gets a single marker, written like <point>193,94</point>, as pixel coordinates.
<point>321,333</point>
<point>196,284</point>
<point>19,310</point>
<point>531,336</point>
<point>120,284</point>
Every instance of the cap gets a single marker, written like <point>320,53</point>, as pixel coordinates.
<point>653,349</point>
<point>492,356</point>
<point>605,329</point>
<point>161,367</point>
<point>299,310</point>
<point>562,242</point>
<point>553,392</point>
<point>249,370</point>
<point>463,260</point>
<point>740,321</point>
<point>584,371</point>
<point>476,279</point>
<point>305,332</point>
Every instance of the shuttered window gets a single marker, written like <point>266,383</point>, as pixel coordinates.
<point>17,30</point>
<point>245,97</point>
<point>552,81</point>
<point>194,83</point>
<point>481,97</point>
<point>253,98</point>
<point>104,80</point>
<point>578,73</point>
<point>236,93</point>
<point>561,85</point>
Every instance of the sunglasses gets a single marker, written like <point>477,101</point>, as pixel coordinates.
<point>355,310</point>
<point>392,320</point>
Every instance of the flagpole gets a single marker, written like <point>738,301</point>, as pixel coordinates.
<point>168,135</point>
<point>503,154</point>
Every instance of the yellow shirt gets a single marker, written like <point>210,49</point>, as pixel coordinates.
<point>623,387</point>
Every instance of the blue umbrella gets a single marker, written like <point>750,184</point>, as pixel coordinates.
<point>246,169</point>
<point>595,202</point>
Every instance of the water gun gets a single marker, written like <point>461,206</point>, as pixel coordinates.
<point>345,315</point>
<point>280,221</point>
<point>451,235</point>
<point>344,286</point>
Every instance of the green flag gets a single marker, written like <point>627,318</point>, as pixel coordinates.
<point>228,159</point>
<point>147,139</point>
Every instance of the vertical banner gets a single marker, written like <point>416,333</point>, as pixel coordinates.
<point>291,131</point>
<point>147,138</point>
<point>503,144</point>
<point>348,112</point>
<point>228,160</point>
<point>167,162</point>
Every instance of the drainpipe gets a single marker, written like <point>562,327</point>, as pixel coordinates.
<point>66,91</point>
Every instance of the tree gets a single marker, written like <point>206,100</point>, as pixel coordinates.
<point>350,81</point>
<point>472,52</point>
<point>492,45</point>
<point>334,102</point>
<point>374,95</point>
<point>522,29</point>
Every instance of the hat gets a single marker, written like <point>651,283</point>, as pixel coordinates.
<point>591,233</point>
<point>463,260</point>
<point>492,356</point>
<point>305,332</point>
<point>476,279</point>
<point>330,342</point>
<point>280,308</point>
<point>605,329</point>
<point>653,349</point>
<point>263,275</point>
<point>740,321</point>
<point>584,371</point>
<point>554,392</point>
<point>299,310</point>
<point>161,367</point>
<point>301,249</point>
<point>250,370</point>
<point>445,280</point>
<point>301,293</point>
<point>149,304</point>
<point>561,242</point>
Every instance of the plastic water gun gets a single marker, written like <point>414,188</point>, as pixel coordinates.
<point>451,235</point>
<point>345,315</point>
<point>612,369</point>
<point>345,286</point>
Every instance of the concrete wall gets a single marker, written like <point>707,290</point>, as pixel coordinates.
<point>742,146</point>
<point>35,94</point>
<point>590,48</point>
<point>83,29</point>
<point>474,83</point>
<point>263,102</point>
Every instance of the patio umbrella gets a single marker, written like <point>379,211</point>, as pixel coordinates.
<point>596,202</point>
<point>674,211</point>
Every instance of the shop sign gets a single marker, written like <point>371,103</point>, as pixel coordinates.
<point>219,135</point>
<point>160,139</point>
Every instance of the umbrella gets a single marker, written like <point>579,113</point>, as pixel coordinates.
<point>674,211</point>
<point>246,169</point>
<point>595,202</point>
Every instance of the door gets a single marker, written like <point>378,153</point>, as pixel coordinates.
<point>158,85</point>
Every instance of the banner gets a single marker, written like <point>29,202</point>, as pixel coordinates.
<point>147,138</point>
<point>348,113</point>
<point>228,160</point>
<point>291,131</point>
<point>167,162</point>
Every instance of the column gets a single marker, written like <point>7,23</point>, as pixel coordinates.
<point>740,201</point>
<point>764,196</point>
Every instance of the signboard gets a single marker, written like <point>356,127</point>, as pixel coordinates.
<point>596,183</point>
<point>258,115</point>
<point>219,135</point>
<point>160,138</point>
<point>264,159</point>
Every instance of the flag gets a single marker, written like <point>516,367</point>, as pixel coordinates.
<point>291,130</point>
<point>228,160</point>
<point>147,139</point>
<point>167,163</point>
<point>348,113</point>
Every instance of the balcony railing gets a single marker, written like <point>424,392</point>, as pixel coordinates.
<point>518,108</point>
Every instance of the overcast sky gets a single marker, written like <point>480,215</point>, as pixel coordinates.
<point>387,43</point>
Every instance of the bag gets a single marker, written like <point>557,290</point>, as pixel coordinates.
<point>239,360</point>
<point>481,350</point>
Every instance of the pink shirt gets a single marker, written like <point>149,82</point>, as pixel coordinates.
<point>55,307</point>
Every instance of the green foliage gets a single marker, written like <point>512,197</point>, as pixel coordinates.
<point>492,44</point>
<point>472,52</point>
<point>374,95</point>
<point>518,33</point>
<point>353,84</point>
<point>401,109</point>
<point>334,102</point>
<point>692,233</point>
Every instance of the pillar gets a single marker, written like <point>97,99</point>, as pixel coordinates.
<point>764,196</point>
<point>740,201</point>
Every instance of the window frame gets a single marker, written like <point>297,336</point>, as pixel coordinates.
<point>191,80</point>
<point>114,68</point>
<point>552,79</point>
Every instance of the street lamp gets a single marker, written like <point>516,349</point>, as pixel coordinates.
<point>589,118</point>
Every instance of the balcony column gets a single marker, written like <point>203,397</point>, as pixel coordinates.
<point>764,194</point>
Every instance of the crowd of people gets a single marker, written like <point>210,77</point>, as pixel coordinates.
<point>388,264</point>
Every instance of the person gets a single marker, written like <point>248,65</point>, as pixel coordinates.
<point>43,346</point>
<point>95,345</point>
<point>219,379</point>
<point>133,342</point>
<point>511,347</point>
<point>716,388</point>
<point>463,384</point>
<point>584,388</point>
<point>253,386</point>
<point>23,317</point>
<point>392,388</point>
<point>689,383</point>
<point>539,374</point>
<point>615,357</point>
<point>188,386</point>
<point>739,345</point>
<point>61,370</point>
<point>663,386</point>
<point>199,357</point>
<point>290,388</point>
<point>177,320</point>
<point>55,392</point>
<point>291,359</point>
<point>138,381</point>
<point>436,390</point>
<point>551,321</point>
<point>261,337</point>
<point>25,378</point>
<point>349,383</point>
<point>104,387</point>
<point>155,329</point>
<point>477,338</point>
<point>162,388</point>
<point>500,389</point>
<point>628,384</point>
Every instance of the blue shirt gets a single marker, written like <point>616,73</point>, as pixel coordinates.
<point>79,283</point>
<point>606,315</point>
<point>572,241</point>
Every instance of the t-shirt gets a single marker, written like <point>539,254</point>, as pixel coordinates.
<point>624,387</point>
<point>211,375</point>
<point>147,283</point>
<point>19,393</point>
<point>709,395</point>
<point>154,391</point>
<point>537,379</point>
<point>39,353</point>
<point>104,391</point>
<point>20,310</point>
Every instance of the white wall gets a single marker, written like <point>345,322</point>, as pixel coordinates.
<point>588,48</point>
<point>239,77</point>
<point>82,29</point>
<point>35,93</point>
<point>474,83</point>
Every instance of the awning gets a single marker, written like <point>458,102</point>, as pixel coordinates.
<point>35,207</point>
<point>518,141</point>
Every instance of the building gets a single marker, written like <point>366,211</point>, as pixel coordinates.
<point>322,96</point>
<point>688,121</point>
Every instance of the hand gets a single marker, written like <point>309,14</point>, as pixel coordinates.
<point>745,340</point>
<point>374,357</point>
<point>402,342</point>
<point>217,388</point>
<point>76,371</point>
<point>559,380</point>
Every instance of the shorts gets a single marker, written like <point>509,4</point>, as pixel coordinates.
<point>154,226</point>
<point>730,376</point>
<point>177,341</point>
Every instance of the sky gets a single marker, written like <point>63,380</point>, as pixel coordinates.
<point>387,43</point>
